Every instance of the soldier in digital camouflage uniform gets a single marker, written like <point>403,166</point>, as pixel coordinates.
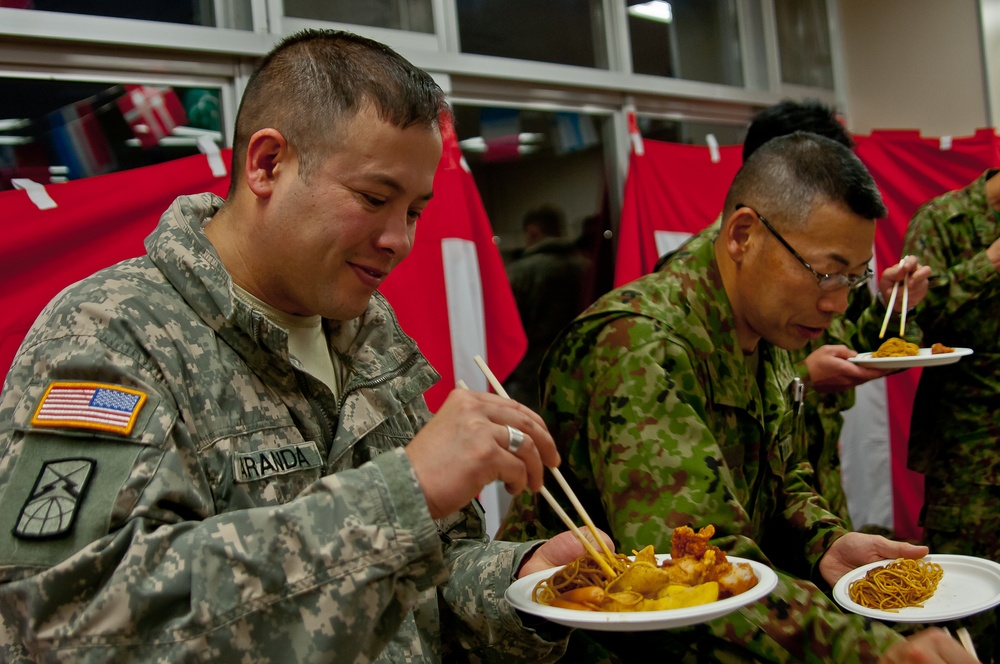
<point>669,400</point>
<point>955,426</point>
<point>218,451</point>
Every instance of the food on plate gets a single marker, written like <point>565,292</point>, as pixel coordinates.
<point>937,349</point>
<point>901,583</point>
<point>897,347</point>
<point>696,573</point>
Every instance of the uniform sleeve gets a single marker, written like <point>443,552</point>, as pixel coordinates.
<point>151,568</point>
<point>656,464</point>
<point>962,274</point>
<point>482,625</point>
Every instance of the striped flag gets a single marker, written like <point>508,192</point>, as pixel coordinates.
<point>79,141</point>
<point>100,406</point>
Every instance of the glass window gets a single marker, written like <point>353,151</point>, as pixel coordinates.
<point>52,131</point>
<point>215,13</point>
<point>804,43</point>
<point>690,132</point>
<point>568,32</point>
<point>412,15</point>
<point>696,40</point>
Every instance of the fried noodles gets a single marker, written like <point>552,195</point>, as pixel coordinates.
<point>897,347</point>
<point>901,583</point>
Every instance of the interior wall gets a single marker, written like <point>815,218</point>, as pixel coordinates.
<point>573,182</point>
<point>913,64</point>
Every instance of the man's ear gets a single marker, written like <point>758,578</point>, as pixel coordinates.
<point>267,155</point>
<point>738,233</point>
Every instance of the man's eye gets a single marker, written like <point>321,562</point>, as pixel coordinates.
<point>373,201</point>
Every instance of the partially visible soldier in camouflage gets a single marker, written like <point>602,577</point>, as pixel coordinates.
<point>221,452</point>
<point>955,426</point>
<point>669,401</point>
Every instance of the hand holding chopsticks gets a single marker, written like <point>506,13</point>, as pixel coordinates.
<point>608,557</point>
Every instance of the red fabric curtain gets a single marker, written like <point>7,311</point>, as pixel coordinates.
<point>670,187</point>
<point>102,220</point>
<point>98,222</point>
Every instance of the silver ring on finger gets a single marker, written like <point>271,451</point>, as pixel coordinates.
<point>515,438</point>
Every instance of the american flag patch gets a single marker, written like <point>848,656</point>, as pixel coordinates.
<point>100,406</point>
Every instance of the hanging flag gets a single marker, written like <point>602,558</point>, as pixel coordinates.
<point>151,112</point>
<point>451,294</point>
<point>672,191</point>
<point>501,130</point>
<point>79,141</point>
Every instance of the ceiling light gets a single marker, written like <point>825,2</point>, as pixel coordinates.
<point>655,10</point>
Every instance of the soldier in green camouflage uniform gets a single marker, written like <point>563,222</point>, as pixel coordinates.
<point>181,484</point>
<point>822,364</point>
<point>955,426</point>
<point>669,400</point>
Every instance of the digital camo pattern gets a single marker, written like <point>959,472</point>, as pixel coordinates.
<point>661,422</point>
<point>955,426</point>
<point>170,558</point>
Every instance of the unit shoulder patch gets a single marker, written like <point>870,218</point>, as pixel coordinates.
<point>51,508</point>
<point>83,405</point>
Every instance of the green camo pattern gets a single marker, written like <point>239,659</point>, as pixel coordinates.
<point>661,423</point>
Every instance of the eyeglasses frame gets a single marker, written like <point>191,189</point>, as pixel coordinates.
<point>838,279</point>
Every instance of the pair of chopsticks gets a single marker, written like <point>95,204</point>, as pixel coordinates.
<point>965,639</point>
<point>892,301</point>
<point>603,561</point>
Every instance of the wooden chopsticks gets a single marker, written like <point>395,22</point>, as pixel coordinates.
<point>892,301</point>
<point>603,561</point>
<point>965,639</point>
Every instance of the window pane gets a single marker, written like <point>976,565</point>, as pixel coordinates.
<point>690,132</point>
<point>216,13</point>
<point>697,40</point>
<point>804,43</point>
<point>52,131</point>
<point>568,32</point>
<point>412,15</point>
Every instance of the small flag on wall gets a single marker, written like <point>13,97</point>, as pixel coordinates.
<point>79,141</point>
<point>151,112</point>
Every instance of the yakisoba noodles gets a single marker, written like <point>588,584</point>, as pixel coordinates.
<point>902,583</point>
<point>896,347</point>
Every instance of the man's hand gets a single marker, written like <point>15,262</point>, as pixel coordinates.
<point>466,446</point>
<point>857,549</point>
<point>993,253</point>
<point>562,549</point>
<point>829,370</point>
<point>916,276</point>
<point>931,646</point>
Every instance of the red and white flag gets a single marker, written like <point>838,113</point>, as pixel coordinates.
<point>451,294</point>
<point>151,112</point>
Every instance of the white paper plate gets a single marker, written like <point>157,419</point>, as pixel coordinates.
<point>519,595</point>
<point>924,359</point>
<point>969,585</point>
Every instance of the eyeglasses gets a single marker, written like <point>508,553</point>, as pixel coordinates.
<point>827,282</point>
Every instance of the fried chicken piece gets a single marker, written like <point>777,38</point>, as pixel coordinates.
<point>937,349</point>
<point>694,561</point>
<point>685,542</point>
